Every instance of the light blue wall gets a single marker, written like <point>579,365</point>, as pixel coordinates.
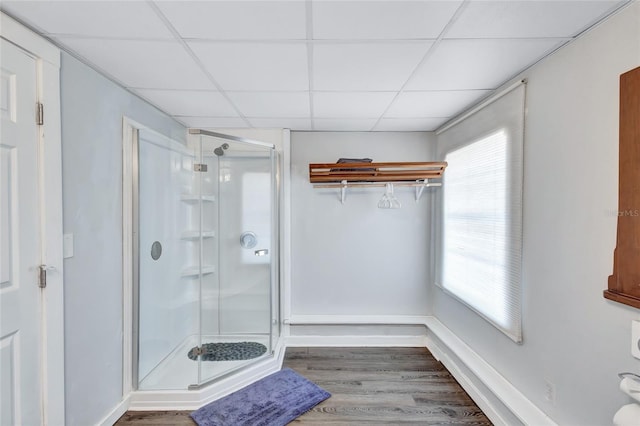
<point>354,258</point>
<point>573,337</point>
<point>92,112</point>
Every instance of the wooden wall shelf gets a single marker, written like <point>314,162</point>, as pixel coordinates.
<point>624,283</point>
<point>375,172</point>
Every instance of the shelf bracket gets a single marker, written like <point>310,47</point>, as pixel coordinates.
<point>420,188</point>
<point>422,184</point>
<point>343,191</point>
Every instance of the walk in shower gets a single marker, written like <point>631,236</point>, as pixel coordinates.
<point>205,258</point>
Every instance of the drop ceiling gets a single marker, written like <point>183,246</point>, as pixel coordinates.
<point>311,65</point>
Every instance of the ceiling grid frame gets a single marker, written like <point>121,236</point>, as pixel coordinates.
<point>195,58</point>
<point>425,58</point>
<point>441,83</point>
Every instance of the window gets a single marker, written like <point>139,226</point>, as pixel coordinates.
<point>481,216</point>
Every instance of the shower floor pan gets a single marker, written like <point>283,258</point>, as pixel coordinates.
<point>177,371</point>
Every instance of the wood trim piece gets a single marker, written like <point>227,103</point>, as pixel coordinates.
<point>624,284</point>
<point>621,298</point>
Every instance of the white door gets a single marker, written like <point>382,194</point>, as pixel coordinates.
<point>20,254</point>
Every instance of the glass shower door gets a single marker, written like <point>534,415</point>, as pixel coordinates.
<point>167,250</point>
<point>236,303</point>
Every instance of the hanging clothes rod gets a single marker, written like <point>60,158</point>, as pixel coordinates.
<point>375,184</point>
<point>419,185</point>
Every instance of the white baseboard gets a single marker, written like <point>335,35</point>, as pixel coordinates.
<point>356,320</point>
<point>356,341</point>
<point>457,356</point>
<point>488,408</point>
<point>116,413</point>
<point>372,340</point>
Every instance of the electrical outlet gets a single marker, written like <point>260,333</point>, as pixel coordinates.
<point>550,392</point>
<point>635,338</point>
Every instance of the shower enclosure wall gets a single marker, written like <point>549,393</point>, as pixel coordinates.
<point>206,248</point>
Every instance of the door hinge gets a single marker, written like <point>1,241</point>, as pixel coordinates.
<point>42,276</point>
<point>40,114</point>
<point>199,167</point>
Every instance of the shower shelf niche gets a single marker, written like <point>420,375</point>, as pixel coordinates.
<point>194,235</point>
<point>194,271</point>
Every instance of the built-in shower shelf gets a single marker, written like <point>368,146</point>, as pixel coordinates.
<point>194,271</point>
<point>194,235</point>
<point>190,198</point>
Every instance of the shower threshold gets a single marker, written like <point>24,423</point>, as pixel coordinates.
<point>178,372</point>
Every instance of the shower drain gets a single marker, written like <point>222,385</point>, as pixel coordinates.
<point>234,351</point>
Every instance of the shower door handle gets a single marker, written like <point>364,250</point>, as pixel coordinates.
<point>262,252</point>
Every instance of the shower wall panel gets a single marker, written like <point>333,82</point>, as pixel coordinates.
<point>245,192</point>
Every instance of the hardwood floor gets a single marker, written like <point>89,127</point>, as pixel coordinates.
<point>177,418</point>
<point>383,386</point>
<point>390,386</point>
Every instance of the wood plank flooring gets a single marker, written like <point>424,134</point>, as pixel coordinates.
<point>383,386</point>
<point>388,386</point>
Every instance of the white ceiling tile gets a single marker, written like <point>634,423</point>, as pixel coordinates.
<point>281,123</point>
<point>381,19</point>
<point>409,124</point>
<point>121,19</point>
<point>212,122</point>
<point>142,64</point>
<point>344,124</point>
<point>351,104</point>
<point>434,104</point>
<point>478,64</point>
<point>189,102</point>
<point>502,19</point>
<point>228,20</point>
<point>364,49</point>
<point>272,104</point>
<point>256,66</point>
<point>365,66</point>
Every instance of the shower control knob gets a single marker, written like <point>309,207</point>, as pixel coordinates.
<point>248,240</point>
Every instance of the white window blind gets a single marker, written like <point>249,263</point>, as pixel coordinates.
<point>480,232</point>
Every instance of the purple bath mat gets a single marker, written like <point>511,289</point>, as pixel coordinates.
<point>272,401</point>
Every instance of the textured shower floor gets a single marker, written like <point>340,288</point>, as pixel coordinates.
<point>177,371</point>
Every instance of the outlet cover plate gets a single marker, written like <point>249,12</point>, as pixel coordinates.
<point>635,338</point>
